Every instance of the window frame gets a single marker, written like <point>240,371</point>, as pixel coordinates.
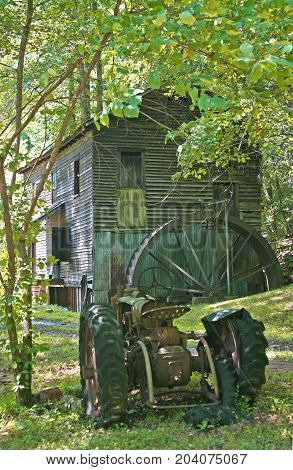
<point>141,157</point>
<point>61,242</point>
<point>76,177</point>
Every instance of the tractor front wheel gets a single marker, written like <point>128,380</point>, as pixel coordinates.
<point>242,339</point>
<point>220,413</point>
<point>104,378</point>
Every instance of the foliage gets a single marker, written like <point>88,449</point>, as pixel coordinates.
<point>34,78</point>
<point>59,427</point>
<point>63,61</point>
<point>277,178</point>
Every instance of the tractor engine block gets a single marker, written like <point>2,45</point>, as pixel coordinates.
<point>170,360</point>
<point>171,366</point>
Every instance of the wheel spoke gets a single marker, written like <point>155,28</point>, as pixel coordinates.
<point>251,272</point>
<point>182,251</point>
<point>178,268</point>
<point>194,291</point>
<point>175,273</point>
<point>242,246</point>
<point>204,245</point>
<point>223,257</point>
<point>210,268</point>
<point>236,255</point>
<point>195,257</point>
<point>148,286</point>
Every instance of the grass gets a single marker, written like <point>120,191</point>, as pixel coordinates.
<point>273,308</point>
<point>60,426</point>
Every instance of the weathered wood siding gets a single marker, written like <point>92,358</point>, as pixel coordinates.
<point>92,215</point>
<point>114,244</point>
<point>77,213</point>
<point>164,199</point>
<point>41,245</point>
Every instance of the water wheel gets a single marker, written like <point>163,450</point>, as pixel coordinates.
<point>217,258</point>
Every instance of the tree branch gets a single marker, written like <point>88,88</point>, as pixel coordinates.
<point>19,78</point>
<point>8,225</point>
<point>20,69</point>
<point>2,281</point>
<point>60,137</point>
<point>41,101</point>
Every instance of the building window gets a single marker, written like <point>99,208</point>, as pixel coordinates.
<point>76,177</point>
<point>61,243</point>
<point>131,170</point>
<point>226,193</point>
<point>53,186</point>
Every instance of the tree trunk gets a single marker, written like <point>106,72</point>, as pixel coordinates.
<point>99,88</point>
<point>21,353</point>
<point>24,392</point>
<point>85,99</point>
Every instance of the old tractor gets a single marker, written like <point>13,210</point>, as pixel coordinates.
<point>133,343</point>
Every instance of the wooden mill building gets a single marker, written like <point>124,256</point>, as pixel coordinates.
<point>111,188</point>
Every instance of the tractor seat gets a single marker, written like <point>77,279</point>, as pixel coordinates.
<point>166,313</point>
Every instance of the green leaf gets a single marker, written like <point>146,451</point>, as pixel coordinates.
<point>157,43</point>
<point>161,18</point>
<point>131,111</point>
<point>44,81</point>
<point>96,123</point>
<point>154,81</point>
<point>287,49</point>
<point>246,49</point>
<point>279,60</point>
<point>186,17</point>
<point>256,73</point>
<point>80,49</point>
<point>155,3</point>
<point>135,100</point>
<point>181,88</point>
<point>104,118</point>
<point>12,166</point>
<point>117,109</point>
<point>232,32</point>
<point>193,93</point>
<point>218,103</point>
<point>51,72</point>
<point>122,70</point>
<point>204,102</point>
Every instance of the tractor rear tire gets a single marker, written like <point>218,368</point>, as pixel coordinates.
<point>246,345</point>
<point>104,377</point>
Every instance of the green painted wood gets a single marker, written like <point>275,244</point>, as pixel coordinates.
<point>113,252</point>
<point>131,208</point>
<point>163,199</point>
<point>102,247</point>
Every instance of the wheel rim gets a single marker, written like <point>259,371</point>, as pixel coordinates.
<point>90,375</point>
<point>212,259</point>
<point>229,344</point>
